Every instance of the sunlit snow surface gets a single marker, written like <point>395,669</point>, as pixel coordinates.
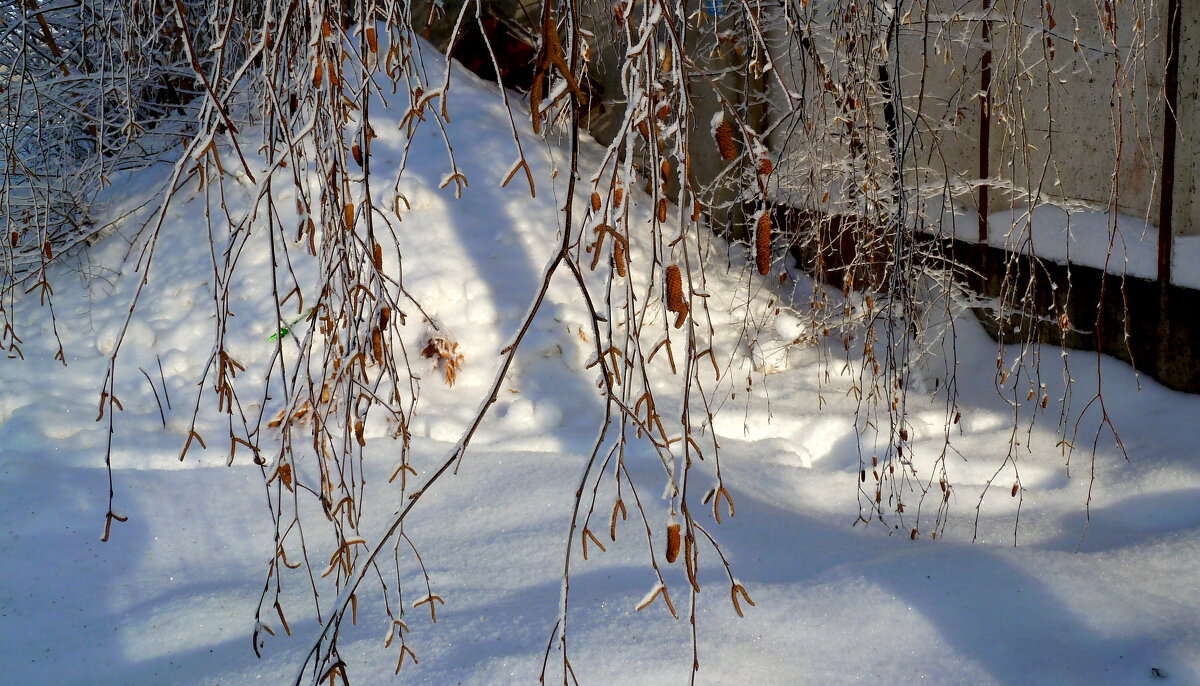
<point>1082,236</point>
<point>170,599</point>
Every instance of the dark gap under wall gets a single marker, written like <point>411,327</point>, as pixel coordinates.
<point>1153,327</point>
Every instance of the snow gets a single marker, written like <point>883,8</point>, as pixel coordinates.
<point>1081,235</point>
<point>170,598</point>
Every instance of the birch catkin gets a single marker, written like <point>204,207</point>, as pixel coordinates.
<point>762,243</point>
<point>674,289</point>
<point>672,542</point>
<point>675,301</point>
<point>723,133</point>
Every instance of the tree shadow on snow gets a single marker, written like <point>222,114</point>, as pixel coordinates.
<point>509,256</point>
<point>1137,520</point>
<point>984,606</point>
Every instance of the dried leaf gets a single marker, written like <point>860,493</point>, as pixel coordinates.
<point>449,360</point>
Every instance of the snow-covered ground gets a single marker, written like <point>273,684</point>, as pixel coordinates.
<point>170,598</point>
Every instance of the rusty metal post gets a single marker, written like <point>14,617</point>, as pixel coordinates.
<point>1166,195</point>
<point>985,122</point>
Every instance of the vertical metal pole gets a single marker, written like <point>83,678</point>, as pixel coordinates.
<point>985,122</point>
<point>1170,126</point>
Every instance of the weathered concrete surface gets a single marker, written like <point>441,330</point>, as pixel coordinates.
<point>1187,155</point>
<point>1077,104</point>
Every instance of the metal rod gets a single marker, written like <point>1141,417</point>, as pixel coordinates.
<point>985,122</point>
<point>1170,126</point>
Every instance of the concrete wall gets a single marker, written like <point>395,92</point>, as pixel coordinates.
<point>1077,112</point>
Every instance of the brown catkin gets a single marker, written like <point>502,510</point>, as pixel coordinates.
<point>377,346</point>
<point>762,244</point>
<point>681,316</point>
<point>675,301</point>
<point>674,289</point>
<point>371,41</point>
<point>724,138</point>
<point>662,209</point>
<point>378,257</point>
<point>618,195</point>
<point>672,542</point>
<point>595,201</point>
<point>619,257</point>
<point>689,560</point>
<point>356,153</point>
<point>765,166</point>
<point>335,69</point>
